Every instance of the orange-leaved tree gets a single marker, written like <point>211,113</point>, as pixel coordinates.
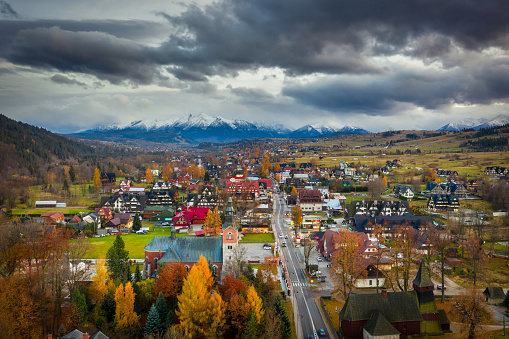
<point>217,316</point>
<point>294,191</point>
<point>97,179</point>
<point>231,286</point>
<point>99,287</point>
<point>148,175</point>
<point>213,222</point>
<point>170,279</point>
<point>125,317</point>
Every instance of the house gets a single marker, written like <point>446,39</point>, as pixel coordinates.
<point>162,197</point>
<point>494,295</point>
<point>77,334</point>
<point>104,213</point>
<point>443,202</point>
<point>366,223</point>
<point>124,203</point>
<point>243,190</point>
<point>405,191</point>
<point>52,218</point>
<point>458,189</point>
<point>368,276</point>
<point>121,220</point>
<point>413,312</point>
<point>108,179</point>
<point>217,250</point>
<point>165,216</point>
<point>190,216</point>
<point>310,201</point>
<point>379,207</point>
<point>496,171</point>
<point>446,173</point>
<point>151,211</point>
<point>46,204</point>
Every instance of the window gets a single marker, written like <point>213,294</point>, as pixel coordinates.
<point>370,282</point>
<point>214,270</point>
<point>187,268</point>
<point>229,236</point>
<point>230,247</point>
<point>155,261</point>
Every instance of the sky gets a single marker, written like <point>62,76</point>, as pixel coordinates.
<point>70,65</point>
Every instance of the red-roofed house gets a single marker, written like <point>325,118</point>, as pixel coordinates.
<point>104,212</point>
<point>190,216</point>
<point>310,201</point>
<point>242,189</point>
<point>52,218</point>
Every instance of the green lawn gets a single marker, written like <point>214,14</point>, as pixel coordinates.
<point>262,237</point>
<point>134,243</point>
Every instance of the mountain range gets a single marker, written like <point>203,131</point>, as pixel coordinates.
<point>204,128</point>
<point>476,124</point>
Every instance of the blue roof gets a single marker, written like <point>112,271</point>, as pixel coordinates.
<point>188,249</point>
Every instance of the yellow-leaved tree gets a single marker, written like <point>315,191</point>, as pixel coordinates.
<point>148,176</point>
<point>255,304</point>
<point>294,191</point>
<point>97,179</point>
<point>99,286</point>
<point>199,311</point>
<point>125,317</point>
<point>213,221</point>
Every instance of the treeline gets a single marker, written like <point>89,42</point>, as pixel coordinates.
<point>486,144</point>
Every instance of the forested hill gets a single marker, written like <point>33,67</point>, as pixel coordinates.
<point>26,146</point>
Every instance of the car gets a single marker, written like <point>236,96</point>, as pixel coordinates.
<point>283,244</point>
<point>140,232</point>
<point>280,235</point>
<point>310,336</point>
<point>321,332</point>
<point>267,247</point>
<point>286,237</point>
<point>319,259</point>
<point>440,287</point>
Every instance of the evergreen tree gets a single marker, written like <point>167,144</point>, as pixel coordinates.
<point>137,274</point>
<point>109,306</point>
<point>118,260</point>
<point>506,300</point>
<point>162,307</point>
<point>286,327</point>
<point>206,177</point>
<point>137,222</point>
<point>65,187</point>
<point>72,173</point>
<point>153,321</point>
<point>252,330</point>
<point>80,301</point>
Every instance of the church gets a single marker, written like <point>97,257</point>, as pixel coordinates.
<point>217,250</point>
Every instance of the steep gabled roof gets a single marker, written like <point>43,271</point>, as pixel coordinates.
<point>377,325</point>
<point>423,279</point>
<point>187,249</point>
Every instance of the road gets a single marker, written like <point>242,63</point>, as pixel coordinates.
<point>308,319</point>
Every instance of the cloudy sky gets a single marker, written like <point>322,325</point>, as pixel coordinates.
<point>379,64</point>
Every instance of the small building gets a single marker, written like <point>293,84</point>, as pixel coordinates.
<point>494,295</point>
<point>46,204</point>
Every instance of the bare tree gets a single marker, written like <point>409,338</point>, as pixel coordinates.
<point>78,268</point>
<point>476,257</point>
<point>440,240</point>
<point>236,265</point>
<point>403,250</point>
<point>376,188</point>
<point>308,247</point>
<point>381,249</point>
<point>473,310</point>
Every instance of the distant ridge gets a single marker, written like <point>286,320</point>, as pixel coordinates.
<point>204,128</point>
<point>475,124</point>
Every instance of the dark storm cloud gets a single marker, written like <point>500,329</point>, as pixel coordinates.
<point>7,10</point>
<point>184,74</point>
<point>62,79</point>
<point>483,84</point>
<point>252,94</point>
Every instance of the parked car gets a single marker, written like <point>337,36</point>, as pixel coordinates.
<point>440,287</point>
<point>140,232</point>
<point>267,247</point>
<point>319,259</point>
<point>283,244</point>
<point>162,223</point>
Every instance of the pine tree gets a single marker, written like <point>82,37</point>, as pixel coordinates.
<point>255,303</point>
<point>162,307</point>
<point>109,306</point>
<point>137,222</point>
<point>153,324</point>
<point>72,173</point>
<point>80,301</point>
<point>286,327</point>
<point>252,330</point>
<point>118,260</point>
<point>137,274</point>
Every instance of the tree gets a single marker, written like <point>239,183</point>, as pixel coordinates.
<point>137,222</point>
<point>232,286</point>
<point>474,310</point>
<point>294,191</point>
<point>78,272</point>
<point>255,303</point>
<point>476,257</point>
<point>237,311</point>
<point>252,330</point>
<point>206,177</point>
<point>170,279</point>
<point>72,174</point>
<point>378,233</point>
<point>125,317</point>
<point>403,245</point>
<point>167,172</point>
<point>308,247</point>
<point>80,302</point>
<point>506,301</point>
<point>97,179</point>
<point>216,313</point>
<point>376,188</point>
<point>118,260</point>
<point>153,324</point>
<point>286,325</point>
<point>296,218</point>
<point>162,308</point>
<point>148,176</point>
<point>109,306</point>
<point>440,240</point>
<point>137,274</point>
<point>99,287</point>
<point>347,262</point>
<point>213,222</point>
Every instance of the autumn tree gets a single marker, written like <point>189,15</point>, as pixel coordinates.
<point>99,288</point>
<point>296,218</point>
<point>232,286</point>
<point>381,249</point>
<point>97,179</point>
<point>294,191</point>
<point>148,176</point>
<point>237,313</point>
<point>217,317</point>
<point>476,257</point>
<point>170,279</point>
<point>213,222</point>
<point>376,188</point>
<point>255,303</point>
<point>403,245</point>
<point>125,317</point>
<point>308,247</point>
<point>118,260</point>
<point>347,262</point>
<point>167,172</point>
<point>474,310</point>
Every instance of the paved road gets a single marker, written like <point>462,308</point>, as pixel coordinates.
<point>308,319</point>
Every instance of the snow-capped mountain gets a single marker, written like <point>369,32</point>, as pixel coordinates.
<point>476,124</point>
<point>203,127</point>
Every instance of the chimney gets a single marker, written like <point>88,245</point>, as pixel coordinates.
<point>384,292</point>
<point>50,336</point>
<point>86,336</point>
<point>173,234</point>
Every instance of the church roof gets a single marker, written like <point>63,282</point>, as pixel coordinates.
<point>187,249</point>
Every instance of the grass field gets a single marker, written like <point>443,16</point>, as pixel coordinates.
<point>262,237</point>
<point>332,306</point>
<point>134,243</point>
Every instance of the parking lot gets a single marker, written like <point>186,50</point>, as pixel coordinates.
<point>255,251</point>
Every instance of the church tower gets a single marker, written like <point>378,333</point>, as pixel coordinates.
<point>423,287</point>
<point>230,233</point>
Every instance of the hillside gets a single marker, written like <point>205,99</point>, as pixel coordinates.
<point>23,146</point>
